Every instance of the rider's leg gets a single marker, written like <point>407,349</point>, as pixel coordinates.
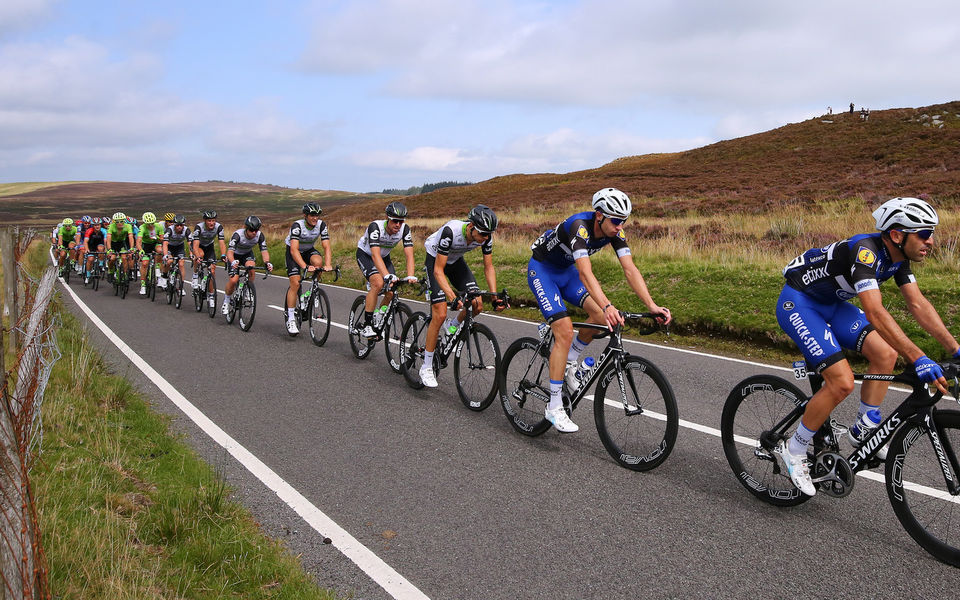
<point>883,359</point>
<point>837,384</point>
<point>370,304</point>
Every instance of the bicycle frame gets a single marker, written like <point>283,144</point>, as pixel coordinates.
<point>444,351</point>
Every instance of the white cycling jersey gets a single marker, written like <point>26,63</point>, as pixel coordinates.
<point>377,237</point>
<point>451,241</point>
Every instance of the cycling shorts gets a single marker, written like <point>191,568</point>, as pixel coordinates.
<point>821,330</point>
<point>365,262</point>
<point>552,285</point>
<point>118,246</point>
<point>458,273</point>
<point>292,267</point>
<point>176,250</point>
<point>149,249</point>
<point>244,259</point>
<point>208,252</point>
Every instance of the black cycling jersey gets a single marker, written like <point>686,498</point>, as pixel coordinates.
<point>573,239</point>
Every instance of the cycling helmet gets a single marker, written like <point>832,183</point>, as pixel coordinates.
<point>252,223</point>
<point>85,219</point>
<point>179,220</point>
<point>95,221</point>
<point>312,208</point>
<point>131,220</point>
<point>611,202</point>
<point>168,216</point>
<point>149,218</point>
<point>119,217</point>
<point>67,221</point>
<point>905,214</point>
<point>209,214</point>
<point>396,210</point>
<point>483,218</point>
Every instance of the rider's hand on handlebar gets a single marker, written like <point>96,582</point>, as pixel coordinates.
<point>663,315</point>
<point>930,372</point>
<point>270,267</point>
<point>499,304</point>
<point>413,279</point>
<point>956,355</point>
<point>612,316</point>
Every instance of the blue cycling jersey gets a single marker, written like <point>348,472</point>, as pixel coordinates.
<point>573,239</point>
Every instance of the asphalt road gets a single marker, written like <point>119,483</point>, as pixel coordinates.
<point>463,507</point>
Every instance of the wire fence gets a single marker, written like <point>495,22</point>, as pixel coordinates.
<point>31,338</point>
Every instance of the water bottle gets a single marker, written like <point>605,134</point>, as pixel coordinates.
<point>584,371</point>
<point>379,315</point>
<point>303,300</point>
<point>543,329</point>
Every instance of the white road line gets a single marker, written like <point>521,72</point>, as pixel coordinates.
<point>382,573</point>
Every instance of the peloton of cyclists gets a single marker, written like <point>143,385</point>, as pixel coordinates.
<point>446,269</point>
<point>560,270</point>
<point>373,258</point>
<point>814,310</point>
<point>240,253</point>
<point>201,243</point>
<point>302,257</point>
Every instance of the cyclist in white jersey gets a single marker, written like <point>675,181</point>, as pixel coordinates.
<point>445,265</point>
<point>373,257</point>
<point>240,253</point>
<point>204,233</point>
<point>303,257</point>
<point>175,239</point>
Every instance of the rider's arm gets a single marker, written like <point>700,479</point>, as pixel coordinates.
<point>223,244</point>
<point>887,326</point>
<point>411,267</point>
<point>927,316</point>
<point>489,273</point>
<point>589,281</point>
<point>130,237</point>
<point>327,255</point>
<point>140,241</point>
<point>377,259</point>
<point>639,286</point>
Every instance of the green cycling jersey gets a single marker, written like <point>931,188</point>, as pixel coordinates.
<point>119,234</point>
<point>151,237</point>
<point>67,232</point>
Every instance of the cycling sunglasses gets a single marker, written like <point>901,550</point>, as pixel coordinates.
<point>397,221</point>
<point>616,221</point>
<point>923,234</point>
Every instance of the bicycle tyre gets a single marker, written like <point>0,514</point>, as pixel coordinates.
<point>170,289</point>
<point>916,486</point>
<point>394,331</point>
<point>124,284</point>
<point>247,307</point>
<point>477,379</point>
<point>95,280</point>
<point>65,271</point>
<point>753,406</point>
<point>212,295</point>
<point>413,340</point>
<point>360,345</point>
<point>319,312</point>
<point>641,434</point>
<point>178,290</point>
<point>524,386</point>
<point>231,307</point>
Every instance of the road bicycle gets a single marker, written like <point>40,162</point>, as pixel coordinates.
<point>313,306</point>
<point>119,275</point>
<point>67,265</point>
<point>634,408</point>
<point>97,270</point>
<point>205,292</point>
<point>243,300</point>
<point>175,284</point>
<point>388,322</point>
<point>922,472</point>
<point>150,276</point>
<point>476,353</point>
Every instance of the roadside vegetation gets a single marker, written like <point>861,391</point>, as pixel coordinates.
<point>127,510</point>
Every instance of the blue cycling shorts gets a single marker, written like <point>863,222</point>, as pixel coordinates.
<point>552,285</point>
<point>821,330</point>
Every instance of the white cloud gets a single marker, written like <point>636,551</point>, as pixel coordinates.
<point>15,14</point>
<point>425,158</point>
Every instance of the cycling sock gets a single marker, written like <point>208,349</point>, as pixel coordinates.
<point>367,316</point>
<point>865,408</point>
<point>289,314</point>
<point>427,358</point>
<point>576,347</point>
<point>556,399</point>
<point>800,440</point>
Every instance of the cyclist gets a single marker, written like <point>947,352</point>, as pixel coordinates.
<point>376,266</point>
<point>149,242</point>
<point>84,225</point>
<point>814,310</point>
<point>67,236</point>
<point>168,220</point>
<point>560,269</point>
<point>240,252</point>
<point>201,243</point>
<point>174,246</point>
<point>302,257</point>
<point>93,241</point>
<point>445,265</point>
<point>119,238</point>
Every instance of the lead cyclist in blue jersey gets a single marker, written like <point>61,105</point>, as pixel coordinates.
<point>813,309</point>
<point>560,270</point>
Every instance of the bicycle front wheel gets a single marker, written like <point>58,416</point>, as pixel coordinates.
<point>413,341</point>
<point>178,291</point>
<point>475,363</point>
<point>360,345</point>
<point>753,408</point>
<point>212,296</point>
<point>917,485</point>
<point>319,313</point>
<point>524,385</point>
<point>247,307</point>
<point>636,416</point>
<point>391,335</point>
<point>231,306</point>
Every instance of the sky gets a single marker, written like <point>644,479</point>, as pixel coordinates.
<point>365,95</point>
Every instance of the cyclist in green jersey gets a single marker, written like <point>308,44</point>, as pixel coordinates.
<point>149,242</point>
<point>67,236</point>
<point>119,238</point>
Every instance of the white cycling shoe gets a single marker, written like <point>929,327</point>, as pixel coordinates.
<point>797,468</point>
<point>225,309</point>
<point>558,417</point>
<point>368,332</point>
<point>292,328</point>
<point>427,377</point>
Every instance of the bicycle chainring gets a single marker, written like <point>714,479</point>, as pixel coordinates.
<point>832,474</point>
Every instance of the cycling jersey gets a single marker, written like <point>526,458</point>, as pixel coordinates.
<point>94,237</point>
<point>573,239</point>
<point>173,238</point>
<point>843,269</point>
<point>119,234</point>
<point>67,232</point>
<point>206,236</point>
<point>377,236</point>
<point>242,245</point>
<point>451,241</point>
<point>151,237</point>
<point>307,237</point>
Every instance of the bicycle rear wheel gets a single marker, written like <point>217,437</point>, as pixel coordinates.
<point>524,385</point>
<point>475,362</point>
<point>413,340</point>
<point>319,316</point>
<point>231,301</point>
<point>247,306</point>
<point>917,488</point>
<point>212,296</point>
<point>177,290</point>
<point>753,407</point>
<point>637,424</point>
<point>360,345</point>
<point>391,335</point>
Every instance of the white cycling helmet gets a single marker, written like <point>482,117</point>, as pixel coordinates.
<point>905,214</point>
<point>611,202</point>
